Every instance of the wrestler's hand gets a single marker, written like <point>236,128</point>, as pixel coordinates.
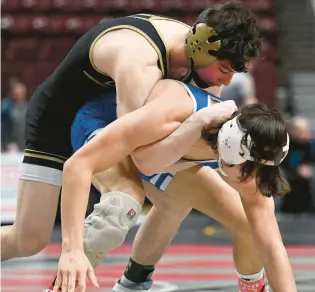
<point>72,271</point>
<point>214,115</point>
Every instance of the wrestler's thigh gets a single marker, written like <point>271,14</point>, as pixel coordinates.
<point>203,189</point>
<point>165,203</point>
<point>123,177</point>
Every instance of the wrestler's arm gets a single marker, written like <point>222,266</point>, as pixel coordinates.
<point>132,63</point>
<point>135,74</point>
<point>160,155</point>
<point>152,122</point>
<point>262,220</point>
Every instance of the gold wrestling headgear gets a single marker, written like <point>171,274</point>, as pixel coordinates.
<point>198,45</point>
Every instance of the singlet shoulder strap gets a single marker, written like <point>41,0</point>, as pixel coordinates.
<point>143,22</point>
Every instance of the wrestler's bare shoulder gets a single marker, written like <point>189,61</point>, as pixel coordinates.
<point>108,47</point>
<point>173,95</point>
<point>168,30</point>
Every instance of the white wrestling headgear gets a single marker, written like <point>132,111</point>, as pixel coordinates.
<point>232,151</point>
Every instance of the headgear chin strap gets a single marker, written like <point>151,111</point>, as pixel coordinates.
<point>232,151</point>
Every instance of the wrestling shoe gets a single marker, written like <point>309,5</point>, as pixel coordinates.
<point>145,286</point>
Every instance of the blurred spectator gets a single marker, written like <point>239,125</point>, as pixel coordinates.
<point>298,167</point>
<point>13,111</point>
<point>241,89</point>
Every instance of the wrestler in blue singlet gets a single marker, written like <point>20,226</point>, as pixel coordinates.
<point>100,112</point>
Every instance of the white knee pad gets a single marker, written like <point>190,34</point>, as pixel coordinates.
<point>106,227</point>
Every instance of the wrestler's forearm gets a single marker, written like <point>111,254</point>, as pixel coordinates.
<point>157,156</point>
<point>74,199</point>
<point>267,237</point>
<point>277,266</point>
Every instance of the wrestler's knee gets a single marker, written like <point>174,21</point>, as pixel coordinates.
<point>172,208</point>
<point>242,230</point>
<point>166,204</point>
<point>107,226</point>
<point>29,240</point>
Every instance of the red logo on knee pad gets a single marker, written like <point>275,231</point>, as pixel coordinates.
<point>132,213</point>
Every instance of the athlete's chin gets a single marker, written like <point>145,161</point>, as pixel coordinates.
<point>211,84</point>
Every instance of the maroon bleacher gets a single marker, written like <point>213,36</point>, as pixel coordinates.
<point>37,34</point>
<point>36,5</point>
<point>101,6</point>
<point>22,50</point>
<point>260,5</point>
<point>54,50</point>
<point>10,5</point>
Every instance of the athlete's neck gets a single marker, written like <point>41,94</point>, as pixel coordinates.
<point>177,56</point>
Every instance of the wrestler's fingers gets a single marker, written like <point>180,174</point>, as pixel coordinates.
<point>71,282</point>
<point>81,281</point>
<point>64,284</point>
<point>91,276</point>
<point>58,282</point>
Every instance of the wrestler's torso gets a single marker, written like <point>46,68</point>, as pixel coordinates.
<point>201,153</point>
<point>102,111</point>
<point>77,80</point>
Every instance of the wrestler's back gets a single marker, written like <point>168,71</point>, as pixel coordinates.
<point>77,80</point>
<point>172,32</point>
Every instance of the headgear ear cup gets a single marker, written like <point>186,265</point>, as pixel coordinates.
<point>232,151</point>
<point>198,45</point>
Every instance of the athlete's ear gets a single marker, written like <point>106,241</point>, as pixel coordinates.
<point>248,180</point>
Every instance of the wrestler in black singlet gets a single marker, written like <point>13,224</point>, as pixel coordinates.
<point>54,104</point>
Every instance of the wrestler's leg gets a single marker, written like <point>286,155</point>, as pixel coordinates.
<point>122,197</point>
<point>159,227</point>
<point>204,190</point>
<point>208,193</point>
<point>123,177</point>
<point>218,200</point>
<point>36,212</point>
<point>153,238</point>
<point>189,188</point>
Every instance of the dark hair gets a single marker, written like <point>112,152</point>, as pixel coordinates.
<point>236,28</point>
<point>268,132</point>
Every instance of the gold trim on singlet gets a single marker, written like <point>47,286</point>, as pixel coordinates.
<point>158,32</point>
<point>164,42</point>
<point>138,17</point>
<point>152,43</point>
<point>93,79</point>
<point>180,22</point>
<point>169,19</point>
<point>44,155</point>
<point>154,17</point>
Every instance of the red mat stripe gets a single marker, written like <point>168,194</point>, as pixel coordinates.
<point>307,250</point>
<point>158,276</point>
<point>177,265</point>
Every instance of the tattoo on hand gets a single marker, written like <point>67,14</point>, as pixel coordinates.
<point>72,260</point>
